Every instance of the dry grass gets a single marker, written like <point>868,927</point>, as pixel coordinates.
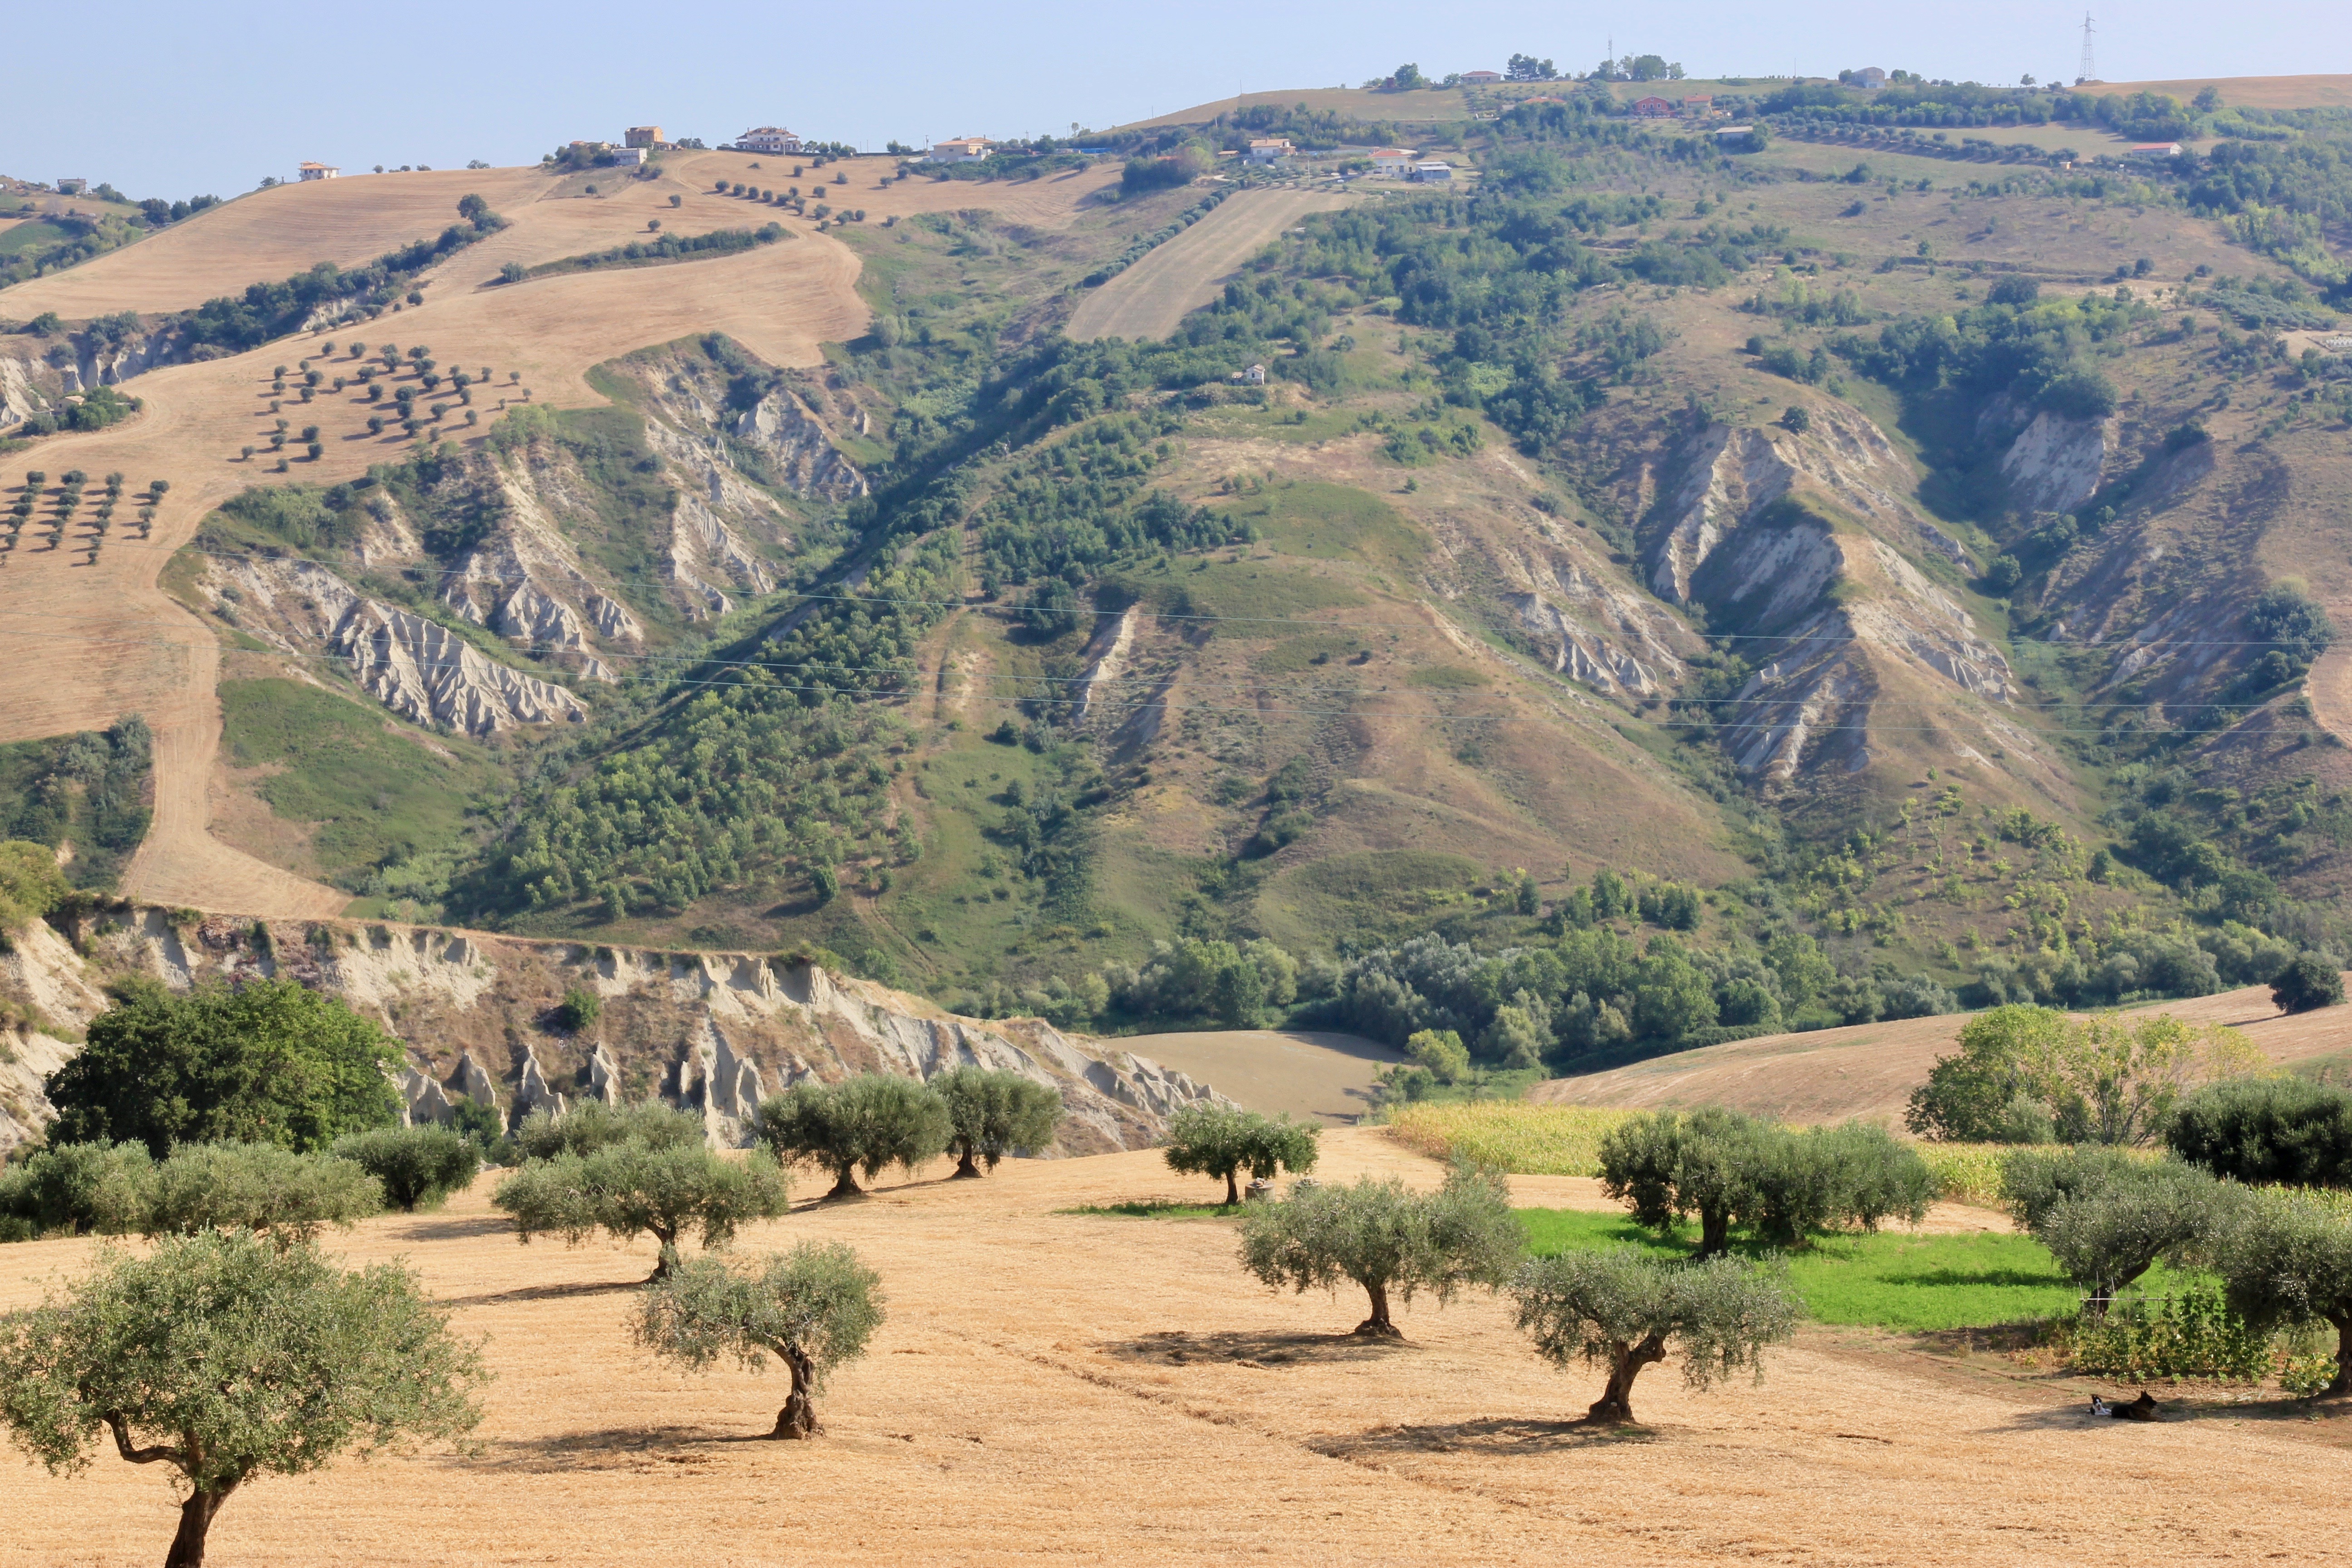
<point>1526,1140</point>
<point>1060,1388</point>
<point>1870,1070</point>
<point>2246,91</point>
<point>1326,1078</point>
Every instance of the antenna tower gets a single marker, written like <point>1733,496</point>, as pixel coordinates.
<point>2090,71</point>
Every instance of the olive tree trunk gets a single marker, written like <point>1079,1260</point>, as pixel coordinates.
<point>846,1185</point>
<point>1625,1363</point>
<point>1378,1325</point>
<point>1232,1191</point>
<point>798,1417</point>
<point>2343,1326</point>
<point>195,1521</point>
<point>967,1163</point>
<point>1713,1233</point>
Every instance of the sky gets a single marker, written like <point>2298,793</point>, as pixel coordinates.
<point>188,96</point>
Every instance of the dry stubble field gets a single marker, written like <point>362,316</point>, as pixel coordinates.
<point>1151,298</point>
<point>1059,1388</point>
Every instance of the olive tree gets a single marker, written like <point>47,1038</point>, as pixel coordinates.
<point>419,1166</point>
<point>79,1189</point>
<point>1624,1309</point>
<point>866,1123</point>
<point>2108,1218</point>
<point>1220,1141</point>
<point>1386,1239</point>
<point>593,1125</point>
<point>992,1113</point>
<point>635,1188</point>
<point>1732,1170</point>
<point>225,1359</point>
<point>2288,1262</point>
<point>2268,1130</point>
<point>287,1197</point>
<point>812,1308</point>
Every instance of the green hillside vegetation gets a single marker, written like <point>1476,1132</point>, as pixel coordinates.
<point>92,790</point>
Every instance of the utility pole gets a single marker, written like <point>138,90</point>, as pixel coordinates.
<point>2090,64</point>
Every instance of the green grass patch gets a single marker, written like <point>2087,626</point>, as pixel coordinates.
<point>1913,1283</point>
<point>1246,591</point>
<point>1446,677</point>
<point>1373,895</point>
<point>1332,522</point>
<point>37,235</point>
<point>378,795</point>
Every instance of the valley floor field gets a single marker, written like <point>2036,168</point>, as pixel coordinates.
<point>1065,1387</point>
<point>1870,1070</point>
<point>1326,1078</point>
<point>1151,296</point>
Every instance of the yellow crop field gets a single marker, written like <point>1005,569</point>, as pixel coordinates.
<point>1524,1140</point>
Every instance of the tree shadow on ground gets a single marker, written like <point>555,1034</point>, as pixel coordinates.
<point>428,1229</point>
<point>643,1449</point>
<point>1176,1348</point>
<point>1494,1437</point>
<point>547,1293</point>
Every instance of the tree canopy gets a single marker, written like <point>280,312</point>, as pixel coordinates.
<point>1622,1308</point>
<point>2023,1073</point>
<point>2265,1131</point>
<point>2107,1217</point>
<point>862,1123</point>
<point>814,1308</point>
<point>224,1358</point>
<point>2289,1261</point>
<point>1386,1239</point>
<point>992,1113</point>
<point>263,1062</point>
<point>1729,1170</point>
<point>1216,1140</point>
<point>636,1188</point>
<point>418,1166</point>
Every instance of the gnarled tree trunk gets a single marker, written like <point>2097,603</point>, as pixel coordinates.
<point>1232,1191</point>
<point>195,1521</point>
<point>2342,1384</point>
<point>798,1417</point>
<point>967,1162</point>
<point>1378,1325</point>
<point>1625,1363</point>
<point>1714,1231</point>
<point>846,1185</point>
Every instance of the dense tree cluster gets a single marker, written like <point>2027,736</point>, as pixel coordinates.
<point>89,787</point>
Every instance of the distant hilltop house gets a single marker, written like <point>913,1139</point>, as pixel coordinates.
<point>72,187</point>
<point>959,150</point>
<point>1868,76</point>
<point>1432,173</point>
<point>768,139</point>
<point>630,157</point>
<point>2155,150</point>
<point>1654,106</point>
<point>317,172</point>
<point>1481,79</point>
<point>642,136</point>
<point>1393,160</point>
<point>1254,376</point>
<point>1270,149</point>
<point>1700,106</point>
<point>1732,138</point>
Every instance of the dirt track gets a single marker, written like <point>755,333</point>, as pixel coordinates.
<point>1870,1070</point>
<point>1064,1389</point>
<point>83,642</point>
<point>1151,296</point>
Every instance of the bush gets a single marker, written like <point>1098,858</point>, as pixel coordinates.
<point>866,1122</point>
<point>2193,1334</point>
<point>272,1192</point>
<point>814,1308</point>
<point>2268,1132</point>
<point>81,1189</point>
<point>593,1125</point>
<point>418,1166</point>
<point>634,1188</point>
<point>1622,1308</point>
<point>578,1010</point>
<point>1210,1140</point>
<point>990,1114</point>
<point>1386,1239</point>
<point>2307,984</point>
<point>1727,1169</point>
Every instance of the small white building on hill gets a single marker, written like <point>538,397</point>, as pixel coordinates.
<point>318,172</point>
<point>768,138</point>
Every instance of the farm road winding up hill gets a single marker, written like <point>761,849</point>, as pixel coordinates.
<point>87,636</point>
<point>1868,1070</point>
<point>1149,298</point>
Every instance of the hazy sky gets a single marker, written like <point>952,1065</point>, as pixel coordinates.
<point>173,99</point>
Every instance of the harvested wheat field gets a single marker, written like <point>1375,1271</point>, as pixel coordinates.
<point>2245,91</point>
<point>1055,1387</point>
<point>1322,1075</point>
<point>1870,1070</point>
<point>1149,298</point>
<point>269,235</point>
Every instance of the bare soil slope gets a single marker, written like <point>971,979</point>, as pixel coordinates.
<point>1870,1070</point>
<point>1323,1075</point>
<point>1061,1387</point>
<point>1151,296</point>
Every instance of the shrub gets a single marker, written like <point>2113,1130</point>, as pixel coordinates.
<point>2307,984</point>
<point>866,1122</point>
<point>227,1359</point>
<point>1386,1239</point>
<point>992,1113</point>
<point>419,1166</point>
<point>2288,1263</point>
<point>2265,1131</point>
<point>81,1189</point>
<point>593,1125</point>
<point>1622,1308</point>
<point>272,1192</point>
<point>578,1009</point>
<point>814,1308</point>
<point>1210,1140</point>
